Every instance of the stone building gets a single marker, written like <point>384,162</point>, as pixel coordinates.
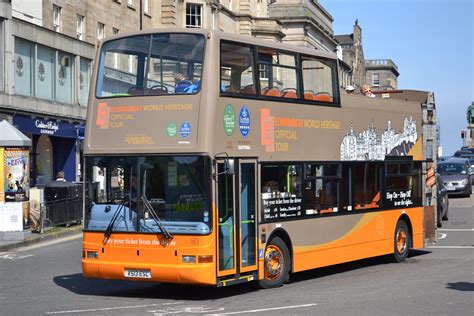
<point>353,54</point>
<point>304,23</point>
<point>381,74</point>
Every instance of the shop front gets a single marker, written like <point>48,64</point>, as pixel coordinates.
<point>55,147</point>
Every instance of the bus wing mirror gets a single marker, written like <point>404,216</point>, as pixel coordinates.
<point>229,166</point>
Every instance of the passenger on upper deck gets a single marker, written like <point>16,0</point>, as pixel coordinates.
<point>350,89</point>
<point>365,89</point>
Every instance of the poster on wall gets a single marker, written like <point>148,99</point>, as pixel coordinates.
<point>16,174</point>
<point>2,175</point>
<point>11,217</point>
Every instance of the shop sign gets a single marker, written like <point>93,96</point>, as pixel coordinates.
<point>44,126</point>
<point>47,127</point>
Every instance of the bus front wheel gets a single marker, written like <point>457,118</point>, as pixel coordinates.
<point>402,241</point>
<point>276,264</point>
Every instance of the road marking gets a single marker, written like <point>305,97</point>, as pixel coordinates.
<point>108,308</point>
<point>456,229</point>
<point>442,236</point>
<point>265,309</point>
<point>49,243</point>
<point>452,247</point>
<point>12,256</point>
<point>187,310</point>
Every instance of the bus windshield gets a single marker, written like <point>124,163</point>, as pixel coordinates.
<point>176,187</point>
<point>151,64</point>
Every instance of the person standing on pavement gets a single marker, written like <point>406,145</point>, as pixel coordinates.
<point>60,176</point>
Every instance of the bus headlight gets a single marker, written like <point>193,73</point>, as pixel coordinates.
<point>92,255</point>
<point>189,259</point>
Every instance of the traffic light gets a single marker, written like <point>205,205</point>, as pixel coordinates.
<point>463,134</point>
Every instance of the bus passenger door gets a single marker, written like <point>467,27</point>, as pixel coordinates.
<point>247,215</point>
<point>236,204</point>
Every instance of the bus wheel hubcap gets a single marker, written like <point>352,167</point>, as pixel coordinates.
<point>273,262</point>
<point>401,241</point>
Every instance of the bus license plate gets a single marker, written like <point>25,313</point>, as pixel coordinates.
<point>137,273</point>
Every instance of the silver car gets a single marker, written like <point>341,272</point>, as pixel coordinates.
<point>455,174</point>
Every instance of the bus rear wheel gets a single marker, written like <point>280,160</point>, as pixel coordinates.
<point>276,264</point>
<point>402,241</point>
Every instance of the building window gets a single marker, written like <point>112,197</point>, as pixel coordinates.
<point>100,30</point>
<point>80,27</point>
<point>375,79</point>
<point>146,6</point>
<point>115,31</point>
<point>65,78</point>
<point>429,149</point>
<point>264,71</point>
<point>24,67</point>
<point>193,15</point>
<point>45,74</point>
<point>84,77</point>
<point>2,56</point>
<point>56,18</point>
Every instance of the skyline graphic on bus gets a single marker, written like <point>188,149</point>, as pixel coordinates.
<point>368,145</point>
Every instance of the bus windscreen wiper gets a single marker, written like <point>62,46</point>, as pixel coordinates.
<point>108,230</point>
<point>158,221</point>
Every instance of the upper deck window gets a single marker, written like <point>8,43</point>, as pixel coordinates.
<point>276,74</point>
<point>280,78</point>
<point>152,64</point>
<point>237,69</point>
<point>318,79</point>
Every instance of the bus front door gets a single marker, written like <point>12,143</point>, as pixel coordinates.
<point>236,196</point>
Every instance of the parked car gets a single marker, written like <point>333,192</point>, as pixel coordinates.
<point>455,176</point>
<point>470,158</point>
<point>442,204</point>
<point>443,158</point>
<point>461,152</point>
<point>471,149</point>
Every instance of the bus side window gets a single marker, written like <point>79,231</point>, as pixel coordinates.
<point>318,77</point>
<point>277,73</point>
<point>237,69</point>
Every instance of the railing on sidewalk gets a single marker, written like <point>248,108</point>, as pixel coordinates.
<point>62,205</point>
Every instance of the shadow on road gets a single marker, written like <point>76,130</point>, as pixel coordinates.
<point>77,284</point>
<point>461,286</point>
<point>355,265</point>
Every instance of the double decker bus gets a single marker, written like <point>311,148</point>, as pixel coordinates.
<point>215,159</point>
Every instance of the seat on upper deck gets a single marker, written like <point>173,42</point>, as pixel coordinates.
<point>271,92</point>
<point>323,96</point>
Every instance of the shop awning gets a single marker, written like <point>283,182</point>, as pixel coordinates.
<point>12,137</point>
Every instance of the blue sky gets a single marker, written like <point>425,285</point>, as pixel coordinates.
<point>432,43</point>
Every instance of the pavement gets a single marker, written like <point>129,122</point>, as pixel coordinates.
<point>13,240</point>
